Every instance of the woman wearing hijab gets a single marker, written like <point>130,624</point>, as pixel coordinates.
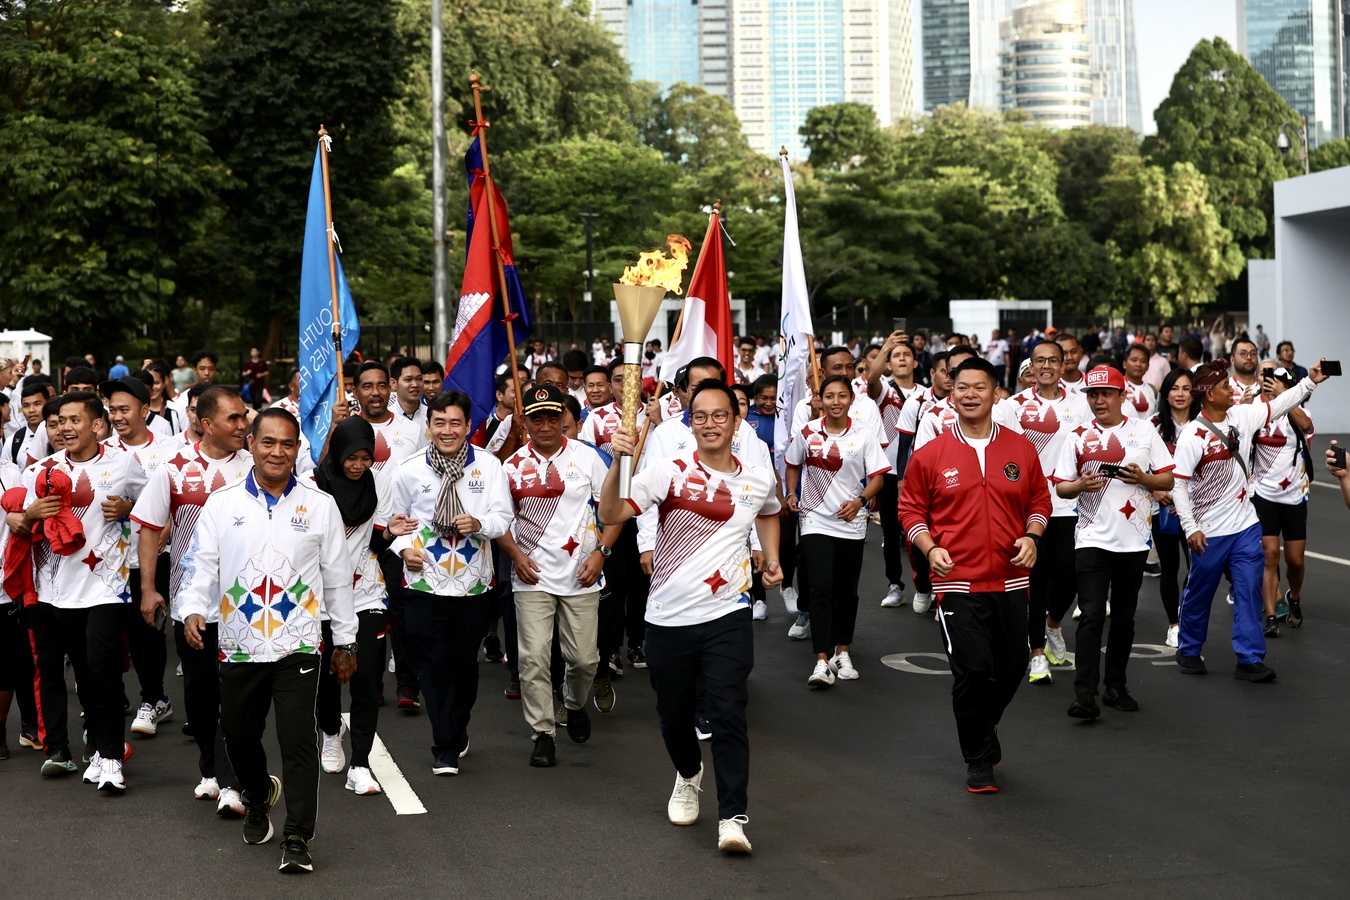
<point>364,497</point>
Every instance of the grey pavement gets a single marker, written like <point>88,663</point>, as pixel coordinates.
<point>1216,788</point>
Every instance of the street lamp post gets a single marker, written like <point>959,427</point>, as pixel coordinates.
<point>1301,132</point>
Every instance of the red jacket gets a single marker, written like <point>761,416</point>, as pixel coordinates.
<point>976,517</point>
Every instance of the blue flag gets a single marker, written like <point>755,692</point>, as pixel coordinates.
<point>319,373</point>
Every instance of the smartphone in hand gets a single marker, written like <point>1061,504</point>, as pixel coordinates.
<point>1338,456</point>
<point>898,324</point>
<point>1110,470</point>
<point>1331,367</point>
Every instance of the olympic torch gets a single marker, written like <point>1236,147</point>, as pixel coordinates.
<point>638,295</point>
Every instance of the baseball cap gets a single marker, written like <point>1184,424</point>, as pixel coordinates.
<point>1104,377</point>
<point>543,399</point>
<point>129,383</point>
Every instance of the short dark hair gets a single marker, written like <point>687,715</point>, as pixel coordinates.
<point>614,364</point>
<point>747,339</point>
<point>397,366</point>
<point>742,388</point>
<point>204,354</point>
<point>82,375</point>
<point>717,386</point>
<point>763,383</point>
<point>595,370</point>
<point>574,360</point>
<point>940,357</point>
<point>1281,345</point>
<point>31,387</point>
<point>446,399</point>
<point>210,399</point>
<point>74,362</point>
<point>1196,350</point>
<point>1144,350</point>
<point>962,350</point>
<point>195,392</point>
<point>371,365</point>
<point>272,412</point>
<point>705,362</point>
<point>831,351</point>
<point>164,373</point>
<point>431,367</point>
<point>91,402</point>
<point>52,407</point>
<point>551,364</point>
<point>975,364</point>
<point>1105,359</point>
<point>836,379</point>
<point>1232,348</point>
<point>350,368</point>
<point>571,405</point>
<point>501,381</point>
<point>144,377</point>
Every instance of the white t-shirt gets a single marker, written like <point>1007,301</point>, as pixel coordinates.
<point>1047,424</point>
<point>940,416</point>
<point>1279,473</point>
<point>835,468</point>
<point>603,421</point>
<point>1118,517</point>
<point>555,522</point>
<point>996,351</point>
<point>701,567</point>
<point>764,357</point>
<point>1141,400</point>
<point>398,438</point>
<point>1242,389</point>
<point>748,376</point>
<point>863,409</point>
<point>980,445</point>
<point>150,455</point>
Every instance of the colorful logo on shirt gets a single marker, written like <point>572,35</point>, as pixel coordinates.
<point>300,519</point>
<point>1012,472</point>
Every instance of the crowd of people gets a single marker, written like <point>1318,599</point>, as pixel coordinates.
<point>1024,482</point>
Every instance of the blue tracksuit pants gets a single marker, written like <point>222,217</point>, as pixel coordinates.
<point>1242,556</point>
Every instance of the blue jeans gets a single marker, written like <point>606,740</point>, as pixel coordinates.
<point>1242,556</point>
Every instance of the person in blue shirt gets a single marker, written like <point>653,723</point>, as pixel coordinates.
<point>764,408</point>
<point>118,370</point>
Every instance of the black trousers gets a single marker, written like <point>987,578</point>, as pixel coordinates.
<point>92,638</point>
<point>1053,586</point>
<point>16,662</point>
<point>1099,572</point>
<point>405,674</point>
<point>289,687</point>
<point>201,703</point>
<point>1172,548</point>
<point>371,626</point>
<point>500,604</point>
<point>443,638</point>
<point>892,537</point>
<point>787,547</point>
<point>832,568</point>
<point>148,645</point>
<point>628,583</point>
<point>986,643</point>
<point>722,652</point>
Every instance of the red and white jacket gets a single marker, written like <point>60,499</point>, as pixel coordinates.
<point>976,516</point>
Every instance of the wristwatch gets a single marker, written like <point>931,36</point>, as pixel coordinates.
<point>605,551</point>
<point>349,649</point>
<point>1035,538</point>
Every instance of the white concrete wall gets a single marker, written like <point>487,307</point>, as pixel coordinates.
<point>1261,275</point>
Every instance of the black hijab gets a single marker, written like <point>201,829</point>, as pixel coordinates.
<point>356,500</point>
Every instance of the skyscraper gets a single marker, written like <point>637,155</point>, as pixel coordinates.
<point>1298,46</point>
<point>1046,68</point>
<point>961,52</point>
<point>1115,64</point>
<point>668,41</point>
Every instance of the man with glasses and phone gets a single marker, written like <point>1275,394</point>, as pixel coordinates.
<point>1244,378</point>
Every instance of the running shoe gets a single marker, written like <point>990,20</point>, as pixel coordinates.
<point>800,628</point>
<point>1173,638</point>
<point>1272,627</point>
<point>257,824</point>
<point>731,835</point>
<point>145,720</point>
<point>894,597</point>
<point>111,780</point>
<point>1055,649</point>
<point>1040,670</point>
<point>295,856</point>
<point>604,695</point>
<point>822,675</point>
<point>1119,698</point>
<point>1153,570</point>
<point>560,711</point>
<point>447,764</point>
<point>843,664</point>
<point>980,778</point>
<point>407,700</point>
<point>231,804</point>
<point>331,756</point>
<point>702,727</point>
<point>790,600</point>
<point>923,602</point>
<point>28,736</point>
<point>512,691</point>
<point>1295,619</point>
<point>492,649</point>
<point>637,657</point>
<point>615,665</point>
<point>1257,673</point>
<point>58,764</point>
<point>543,755</point>
<point>95,771</point>
<point>1085,706</point>
<point>1282,606</point>
<point>761,611</point>
<point>360,781</point>
<point>683,806</point>
<point>1191,665</point>
<point>579,725</point>
<point>207,789</point>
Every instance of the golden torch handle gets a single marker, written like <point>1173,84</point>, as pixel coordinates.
<point>632,399</point>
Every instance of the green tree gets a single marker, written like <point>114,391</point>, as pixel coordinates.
<point>1063,263</point>
<point>1083,156</point>
<point>1223,118</point>
<point>839,135</point>
<point>1330,155</point>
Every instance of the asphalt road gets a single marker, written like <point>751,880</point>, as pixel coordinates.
<point>1216,788</point>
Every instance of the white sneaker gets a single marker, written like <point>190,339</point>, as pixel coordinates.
<point>231,804</point>
<point>331,756</point>
<point>1055,649</point>
<point>391,664</point>
<point>822,676</point>
<point>761,611</point>
<point>843,664</point>
<point>1173,636</point>
<point>145,720</point>
<point>1040,670</point>
<point>923,602</point>
<point>112,779</point>
<point>683,806</point>
<point>207,789</point>
<point>1077,612</point>
<point>894,597</point>
<point>360,781</point>
<point>801,627</point>
<point>179,670</point>
<point>731,835</point>
<point>790,600</point>
<point>95,770</point>
<point>1229,598</point>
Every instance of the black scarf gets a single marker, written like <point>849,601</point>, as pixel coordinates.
<point>356,500</point>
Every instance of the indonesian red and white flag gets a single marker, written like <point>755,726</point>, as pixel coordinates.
<point>706,328</point>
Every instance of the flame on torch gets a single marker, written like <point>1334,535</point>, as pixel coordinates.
<point>657,270</point>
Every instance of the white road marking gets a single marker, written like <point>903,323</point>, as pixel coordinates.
<point>1325,558</point>
<point>1334,487</point>
<point>396,788</point>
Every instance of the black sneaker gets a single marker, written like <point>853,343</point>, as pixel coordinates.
<point>492,649</point>
<point>637,657</point>
<point>257,825</point>
<point>1153,570</point>
<point>615,666</point>
<point>702,727</point>
<point>1191,665</point>
<point>1084,706</point>
<point>980,778</point>
<point>512,691</point>
<point>579,725</point>
<point>544,753</point>
<point>1272,628</point>
<point>1257,673</point>
<point>58,764</point>
<point>604,695</point>
<point>1119,698</point>
<point>1295,617</point>
<point>295,855</point>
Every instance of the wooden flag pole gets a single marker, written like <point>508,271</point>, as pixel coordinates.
<point>332,253</point>
<point>480,128</point>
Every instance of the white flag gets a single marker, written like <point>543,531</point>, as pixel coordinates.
<point>794,327</point>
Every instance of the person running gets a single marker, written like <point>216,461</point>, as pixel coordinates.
<point>558,555</point>
<point>896,360</point>
<point>172,503</point>
<point>1047,414</point>
<point>461,502</point>
<point>1177,412</point>
<point>975,504</point>
<point>698,615</point>
<point>268,556</point>
<point>1281,467</point>
<point>839,467</point>
<point>1113,533</point>
<point>81,588</point>
<point>1213,499</point>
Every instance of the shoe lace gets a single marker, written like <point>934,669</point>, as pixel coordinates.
<point>741,820</point>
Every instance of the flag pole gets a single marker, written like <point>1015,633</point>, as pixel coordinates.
<point>480,128</point>
<point>327,142</point>
<point>811,343</point>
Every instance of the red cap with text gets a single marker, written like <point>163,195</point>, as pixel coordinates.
<point>1104,377</point>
